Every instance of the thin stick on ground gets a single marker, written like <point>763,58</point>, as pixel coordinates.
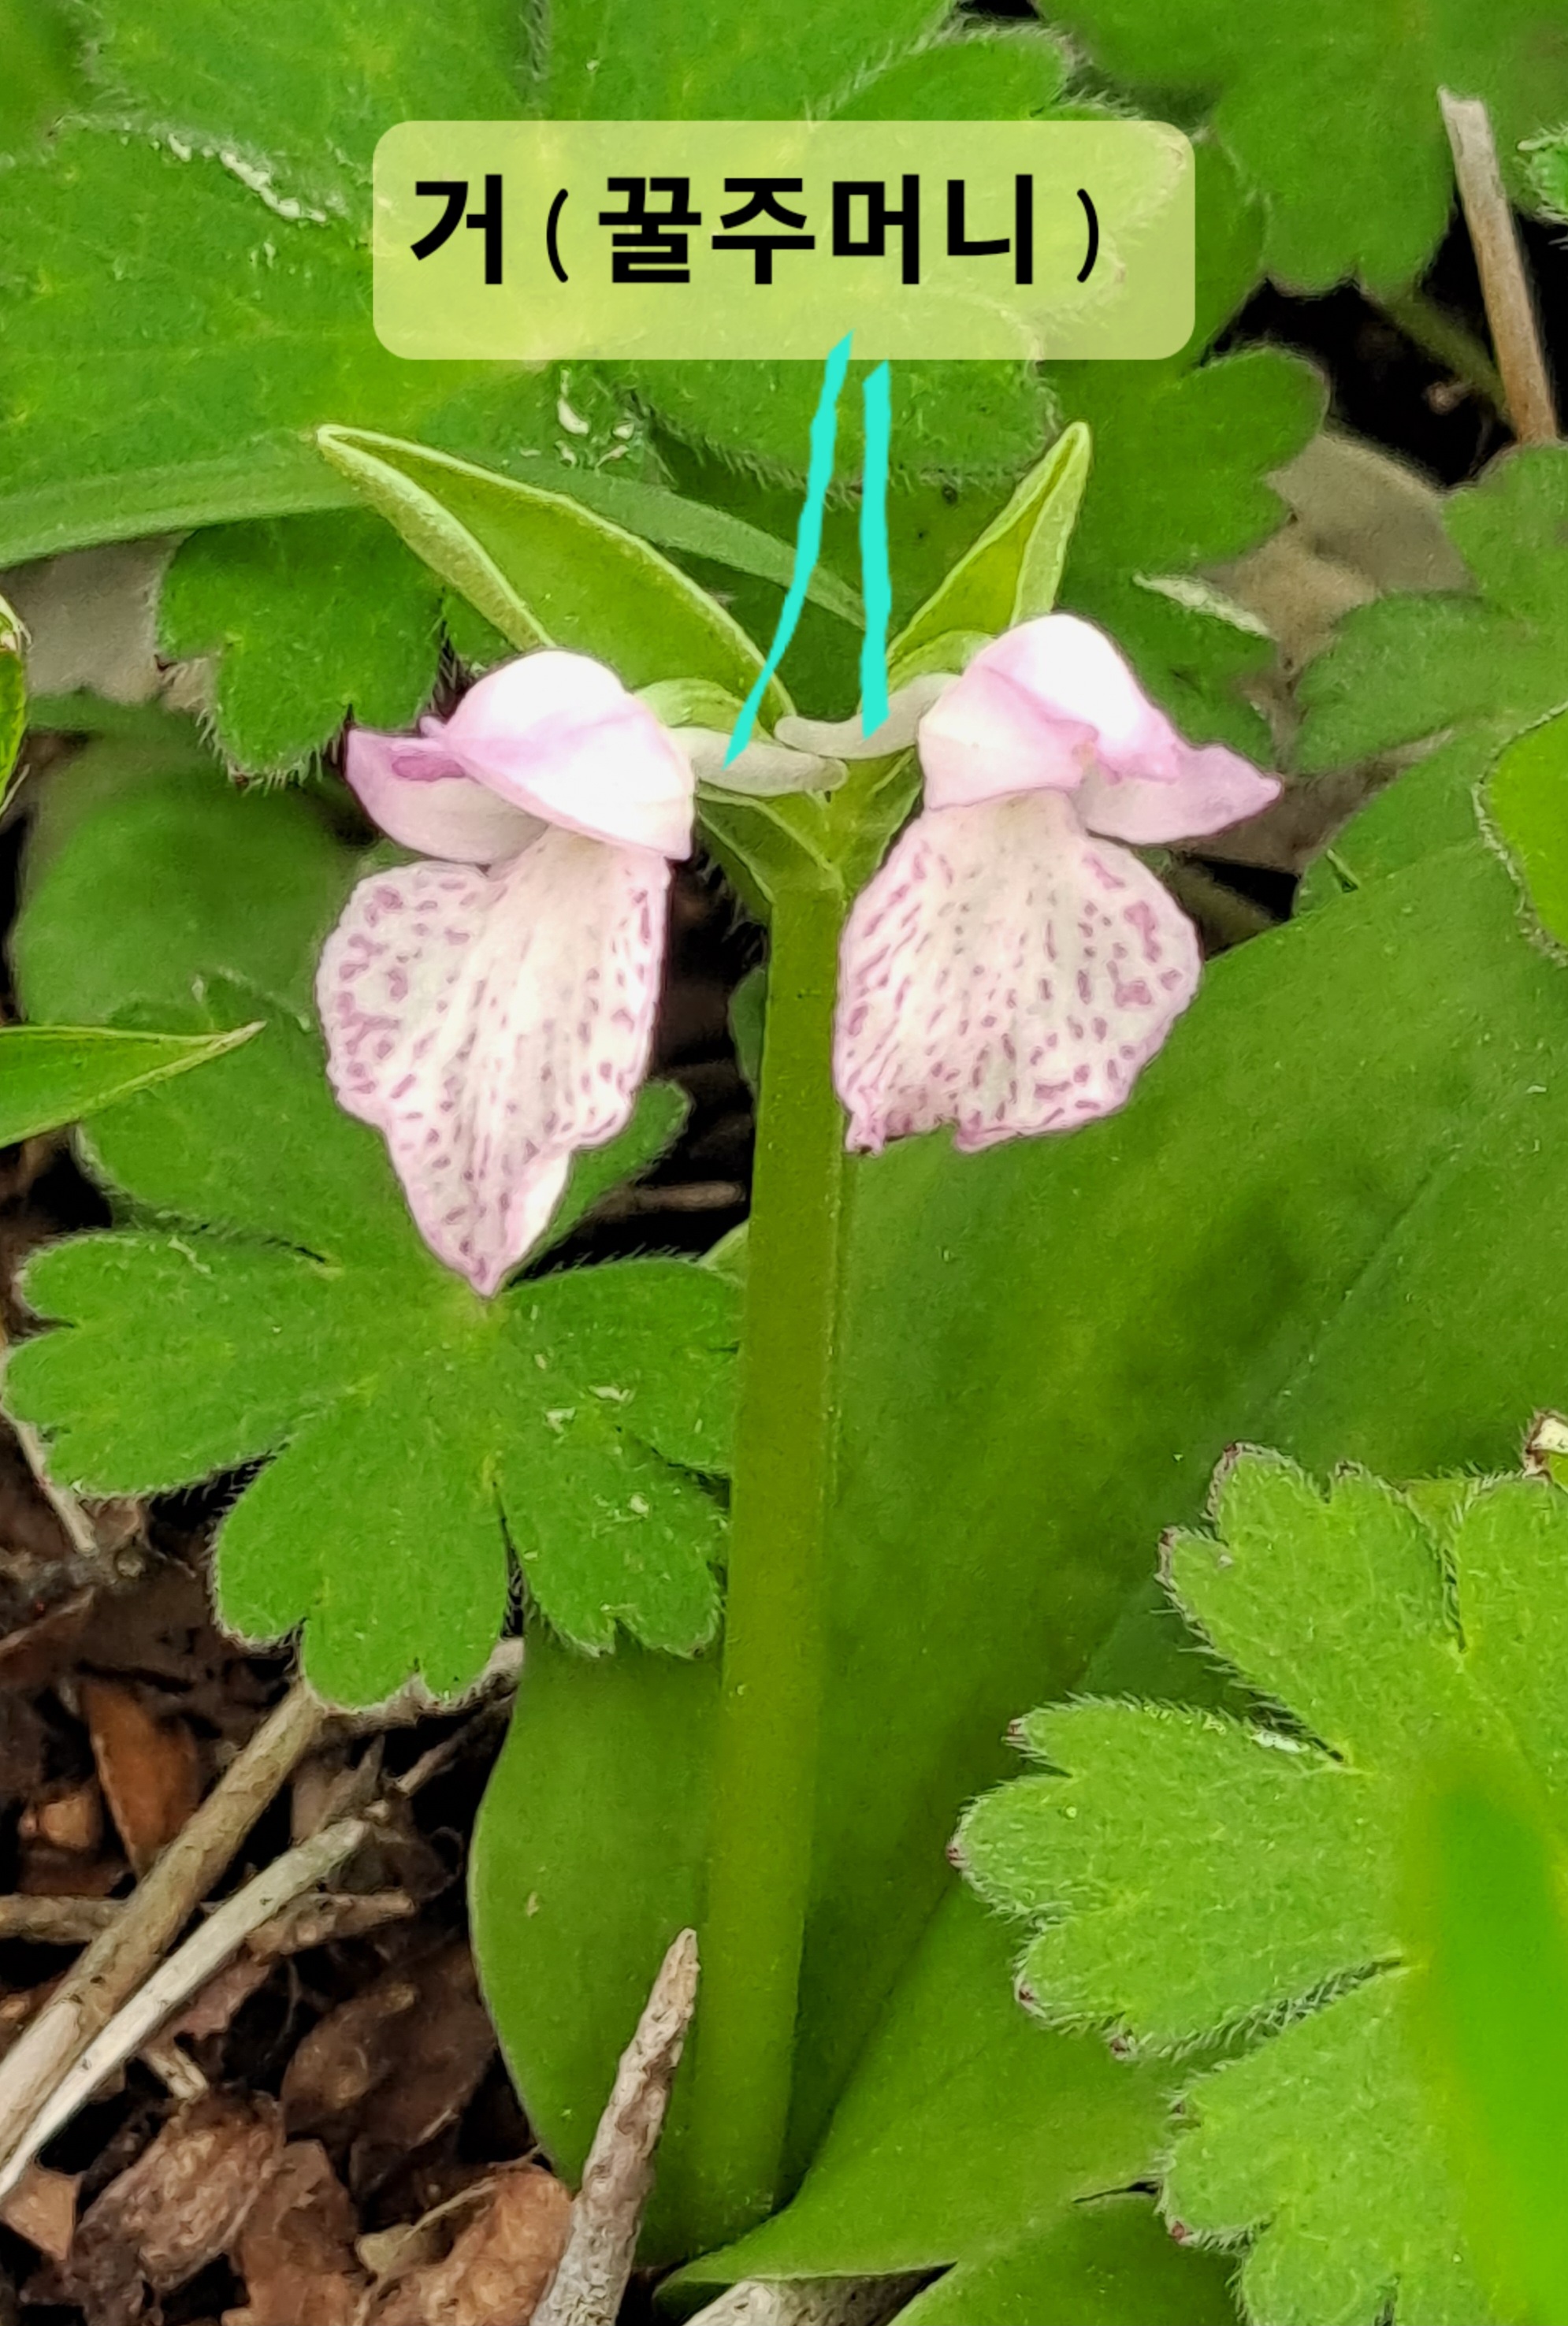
<point>57,1921</point>
<point>588,2286</point>
<point>1500,261</point>
<point>122,1957</point>
<point>810,2302</point>
<point>75,1523</point>
<point>205,1952</point>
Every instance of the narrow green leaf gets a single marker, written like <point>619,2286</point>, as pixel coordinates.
<point>51,1075</point>
<point>1012,571</point>
<point>13,696</point>
<point>545,569</point>
<point>698,529</point>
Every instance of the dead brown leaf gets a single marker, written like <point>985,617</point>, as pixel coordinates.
<point>33,1654</point>
<point>17,2008</point>
<point>499,2264</point>
<point>415,2043</point>
<point>315,1921</point>
<point>42,2207</point>
<point>149,1767</point>
<point>69,1820</point>
<point>45,1873</point>
<point>212,2007</point>
<point>24,1747</point>
<point>176,2208</point>
<point>296,2249</point>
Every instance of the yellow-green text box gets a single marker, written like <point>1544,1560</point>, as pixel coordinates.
<point>1136,301</point>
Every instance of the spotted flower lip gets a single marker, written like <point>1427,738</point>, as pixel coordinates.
<point>1010,970</point>
<point>490,1009</point>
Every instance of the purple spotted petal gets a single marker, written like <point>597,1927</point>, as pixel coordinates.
<point>491,1023</point>
<point>1212,787</point>
<point>411,785</point>
<point>1006,972</point>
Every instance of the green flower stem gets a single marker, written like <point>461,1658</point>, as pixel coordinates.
<point>760,1852</point>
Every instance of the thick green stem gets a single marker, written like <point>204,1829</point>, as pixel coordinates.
<point>760,1850</point>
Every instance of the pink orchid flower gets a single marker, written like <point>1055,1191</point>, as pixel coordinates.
<point>490,1009</point>
<point>1009,970</point>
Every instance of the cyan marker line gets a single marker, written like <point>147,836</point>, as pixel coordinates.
<point>808,538</point>
<point>876,580</point>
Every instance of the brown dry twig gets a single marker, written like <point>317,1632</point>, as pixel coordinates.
<point>58,1922</point>
<point>810,2302</point>
<point>586,2288</point>
<point>209,1946</point>
<point>123,1954</point>
<point>1500,262</point>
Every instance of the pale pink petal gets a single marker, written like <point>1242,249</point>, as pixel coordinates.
<point>410,787</point>
<point>1212,787</point>
<point>1072,671</point>
<point>987,738</point>
<point>491,1023</point>
<point>558,735</point>
<point>1006,972</point>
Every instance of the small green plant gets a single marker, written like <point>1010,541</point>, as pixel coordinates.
<point>1048,1209</point>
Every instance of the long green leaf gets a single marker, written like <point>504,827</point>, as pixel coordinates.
<point>51,1074</point>
<point>287,480</point>
<point>1489,1919</point>
<point>1012,570</point>
<point>545,569</point>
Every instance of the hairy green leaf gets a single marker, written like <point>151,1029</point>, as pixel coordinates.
<point>417,1432</point>
<point>1475,666</point>
<point>971,421</point>
<point>141,391</point>
<point>333,601</point>
<point>120,366</point>
<point>1545,160</point>
<point>1332,108</point>
<point>547,570</point>
<point>51,1075</point>
<point>263,91</point>
<point>1202,1874</point>
<point>44,78</point>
